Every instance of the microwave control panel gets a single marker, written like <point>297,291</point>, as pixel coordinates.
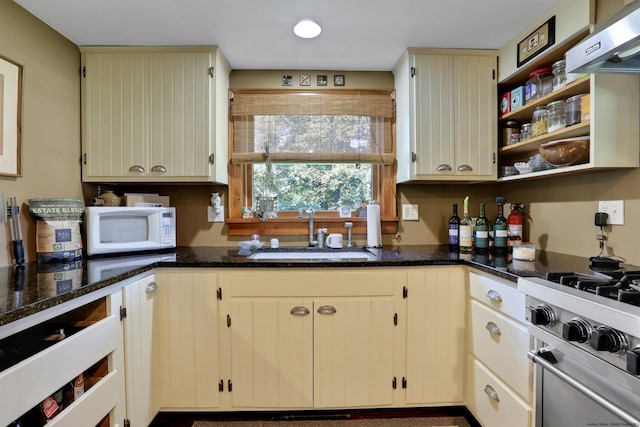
<point>168,229</point>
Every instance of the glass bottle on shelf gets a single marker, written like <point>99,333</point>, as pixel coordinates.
<point>482,231</point>
<point>500,229</point>
<point>454,230</point>
<point>466,242</point>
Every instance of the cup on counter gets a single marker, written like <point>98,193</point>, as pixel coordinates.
<point>275,243</point>
<point>334,241</point>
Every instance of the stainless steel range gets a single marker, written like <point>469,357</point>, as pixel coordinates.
<point>587,351</point>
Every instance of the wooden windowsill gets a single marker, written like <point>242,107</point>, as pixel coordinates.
<point>292,226</point>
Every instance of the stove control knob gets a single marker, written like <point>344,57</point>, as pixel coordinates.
<point>576,330</point>
<point>604,338</point>
<point>543,315</point>
<point>633,361</point>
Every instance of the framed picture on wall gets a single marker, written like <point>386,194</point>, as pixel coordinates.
<point>10,117</point>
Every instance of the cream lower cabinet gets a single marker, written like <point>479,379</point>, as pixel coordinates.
<point>311,338</point>
<point>154,114</point>
<point>171,343</point>
<point>435,336</point>
<point>499,389</point>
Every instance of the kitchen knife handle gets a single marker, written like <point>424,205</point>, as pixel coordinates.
<point>18,252</point>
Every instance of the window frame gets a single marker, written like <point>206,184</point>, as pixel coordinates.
<point>287,223</point>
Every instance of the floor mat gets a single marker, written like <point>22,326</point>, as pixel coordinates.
<point>383,422</point>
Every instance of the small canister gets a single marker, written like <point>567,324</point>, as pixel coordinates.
<point>559,75</point>
<point>556,115</point>
<point>540,121</point>
<point>540,83</point>
<point>525,131</point>
<point>510,128</point>
<point>573,110</point>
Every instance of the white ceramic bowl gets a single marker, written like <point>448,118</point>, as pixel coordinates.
<point>251,244</point>
<point>523,167</point>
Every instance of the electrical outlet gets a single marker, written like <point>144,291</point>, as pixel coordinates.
<point>212,216</point>
<point>615,209</point>
<point>410,212</point>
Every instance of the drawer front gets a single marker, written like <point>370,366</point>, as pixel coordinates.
<point>502,344</point>
<point>499,295</point>
<point>38,376</point>
<point>492,402</point>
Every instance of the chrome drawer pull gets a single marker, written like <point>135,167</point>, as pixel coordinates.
<point>136,168</point>
<point>465,168</point>
<point>299,311</point>
<point>494,296</point>
<point>159,168</point>
<point>491,392</point>
<point>443,167</point>
<point>493,328</point>
<point>327,309</point>
<point>151,287</point>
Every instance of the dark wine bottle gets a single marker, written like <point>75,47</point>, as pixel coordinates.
<point>500,229</point>
<point>482,231</point>
<point>454,230</point>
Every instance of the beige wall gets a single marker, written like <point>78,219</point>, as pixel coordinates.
<point>50,116</point>
<point>559,210</point>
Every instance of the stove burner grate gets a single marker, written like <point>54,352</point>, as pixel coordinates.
<point>617,285</point>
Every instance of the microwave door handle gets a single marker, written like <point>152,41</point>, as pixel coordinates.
<point>541,360</point>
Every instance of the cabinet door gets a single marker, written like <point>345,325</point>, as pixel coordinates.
<point>435,336</point>
<point>187,330</point>
<point>114,98</point>
<point>353,352</point>
<point>140,341</point>
<point>433,114</point>
<point>272,353</point>
<point>475,112</point>
<point>181,91</point>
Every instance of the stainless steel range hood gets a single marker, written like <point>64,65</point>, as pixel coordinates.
<point>615,48</point>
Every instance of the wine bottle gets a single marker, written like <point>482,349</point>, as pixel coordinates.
<point>454,230</point>
<point>465,241</point>
<point>482,231</point>
<point>500,229</point>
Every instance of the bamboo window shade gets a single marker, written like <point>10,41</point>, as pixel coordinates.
<point>375,111</point>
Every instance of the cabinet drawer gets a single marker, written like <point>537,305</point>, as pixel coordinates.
<point>506,409</point>
<point>504,350</point>
<point>499,295</point>
<point>93,405</point>
<point>37,377</point>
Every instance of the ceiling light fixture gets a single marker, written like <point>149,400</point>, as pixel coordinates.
<point>307,29</point>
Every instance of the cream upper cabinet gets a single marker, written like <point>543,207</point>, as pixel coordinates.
<point>311,338</point>
<point>154,114</point>
<point>435,336</point>
<point>446,115</point>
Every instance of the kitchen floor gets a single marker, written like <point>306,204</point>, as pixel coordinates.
<point>450,416</point>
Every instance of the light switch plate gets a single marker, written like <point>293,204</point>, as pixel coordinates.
<point>615,209</point>
<point>212,216</point>
<point>410,212</point>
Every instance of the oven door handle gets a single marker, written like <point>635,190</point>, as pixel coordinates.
<point>542,360</point>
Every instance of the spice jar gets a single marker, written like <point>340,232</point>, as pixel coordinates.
<point>525,131</point>
<point>540,83</point>
<point>556,115</point>
<point>540,121</point>
<point>559,74</point>
<point>510,128</point>
<point>573,110</point>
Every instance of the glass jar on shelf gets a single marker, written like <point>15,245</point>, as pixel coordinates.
<point>510,128</point>
<point>556,115</point>
<point>525,131</point>
<point>540,83</point>
<point>540,121</point>
<point>559,74</point>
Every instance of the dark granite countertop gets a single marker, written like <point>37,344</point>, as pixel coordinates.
<point>35,287</point>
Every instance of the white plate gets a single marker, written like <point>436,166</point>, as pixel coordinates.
<point>251,244</point>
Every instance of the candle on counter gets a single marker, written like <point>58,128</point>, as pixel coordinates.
<point>524,251</point>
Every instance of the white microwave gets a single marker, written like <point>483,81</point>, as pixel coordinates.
<point>119,229</point>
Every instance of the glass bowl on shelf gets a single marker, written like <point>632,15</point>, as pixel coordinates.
<point>523,167</point>
<point>566,152</point>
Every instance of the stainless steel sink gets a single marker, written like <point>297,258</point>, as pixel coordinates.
<point>345,254</point>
